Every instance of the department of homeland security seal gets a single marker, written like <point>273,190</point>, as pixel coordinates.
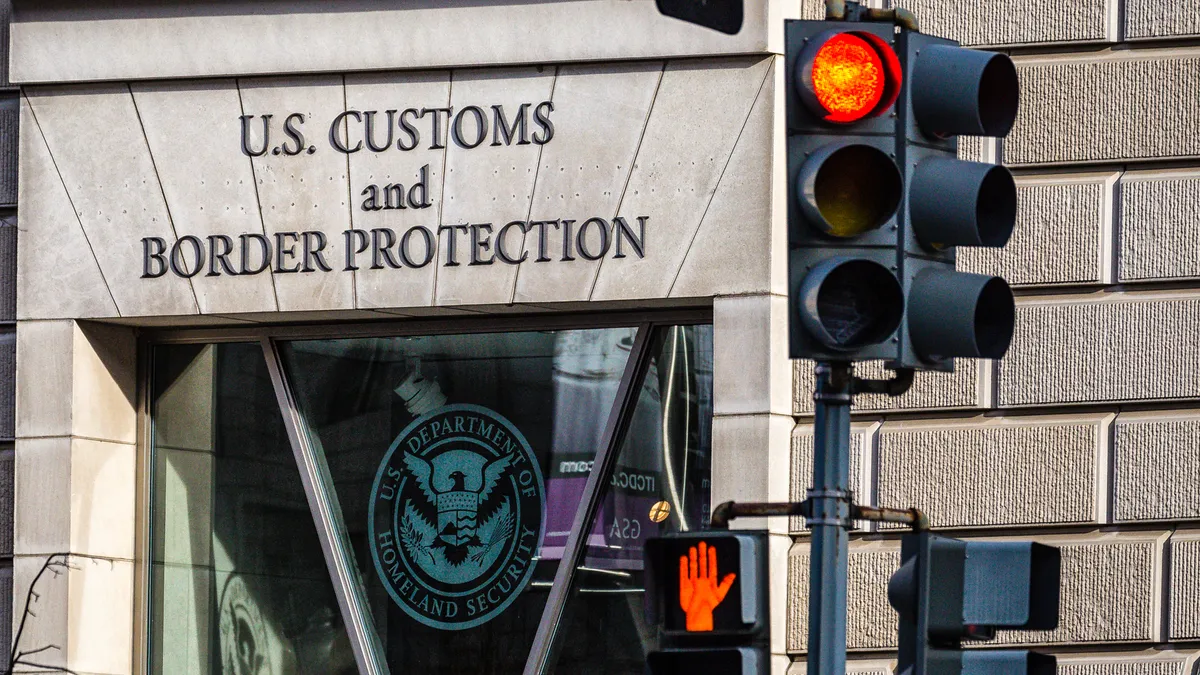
<point>457,514</point>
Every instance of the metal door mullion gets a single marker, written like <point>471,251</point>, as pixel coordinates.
<point>606,457</point>
<point>327,514</point>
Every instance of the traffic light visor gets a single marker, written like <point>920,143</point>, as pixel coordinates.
<point>957,203</point>
<point>953,314</point>
<point>846,76</point>
<point>964,91</point>
<point>847,303</point>
<point>848,190</point>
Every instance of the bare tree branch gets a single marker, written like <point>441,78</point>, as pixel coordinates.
<point>56,564</point>
<point>21,655</point>
<point>48,668</point>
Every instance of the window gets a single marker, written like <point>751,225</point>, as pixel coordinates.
<point>409,507</point>
<point>660,484</point>
<point>239,583</point>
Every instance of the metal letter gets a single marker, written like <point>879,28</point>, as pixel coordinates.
<point>246,149</point>
<point>501,253</point>
<point>352,251</point>
<point>149,256</point>
<point>335,140</point>
<point>581,239</point>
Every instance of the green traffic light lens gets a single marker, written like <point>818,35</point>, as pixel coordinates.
<point>848,303</point>
<point>850,190</point>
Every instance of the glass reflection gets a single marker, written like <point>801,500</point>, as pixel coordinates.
<point>437,539</point>
<point>239,584</point>
<point>660,485</point>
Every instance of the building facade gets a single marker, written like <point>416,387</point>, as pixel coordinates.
<point>354,337</point>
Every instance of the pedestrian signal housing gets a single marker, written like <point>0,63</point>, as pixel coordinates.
<point>947,591</point>
<point>707,595</point>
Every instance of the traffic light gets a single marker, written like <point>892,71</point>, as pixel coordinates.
<point>723,15</point>
<point>878,200</point>
<point>948,590</point>
<point>845,188</point>
<point>706,592</point>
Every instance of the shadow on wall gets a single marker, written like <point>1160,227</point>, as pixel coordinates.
<point>55,566</point>
<point>113,346</point>
<point>87,10</point>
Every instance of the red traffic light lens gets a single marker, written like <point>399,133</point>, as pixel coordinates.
<point>848,78</point>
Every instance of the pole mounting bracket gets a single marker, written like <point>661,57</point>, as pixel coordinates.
<point>851,10</point>
<point>894,386</point>
<point>727,511</point>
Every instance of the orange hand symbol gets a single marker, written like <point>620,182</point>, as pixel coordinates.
<point>699,593</point>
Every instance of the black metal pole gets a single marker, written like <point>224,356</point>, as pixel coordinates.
<point>829,520</point>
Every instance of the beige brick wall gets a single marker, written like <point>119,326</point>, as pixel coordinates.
<point>1087,435</point>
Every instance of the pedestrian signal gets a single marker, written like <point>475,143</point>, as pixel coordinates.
<point>706,592</point>
<point>707,582</point>
<point>947,591</point>
<point>699,591</point>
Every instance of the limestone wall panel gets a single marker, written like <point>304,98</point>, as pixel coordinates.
<point>488,184</point>
<point>1011,22</point>
<point>737,244</point>
<point>698,114</point>
<point>1146,20</point>
<point>112,185</point>
<point>862,454</point>
<point>979,474</point>
<point>1061,235</point>
<point>1129,348</point>
<point>53,43</point>
<point>206,193</point>
<point>870,621</point>
<point>388,97</point>
<point>1106,109</point>
<point>1184,551</point>
<point>1093,609</point>
<point>305,192</point>
<point>600,113</point>
<point>930,390</point>
<point>1146,663</point>
<point>1160,226</point>
<point>1154,466</point>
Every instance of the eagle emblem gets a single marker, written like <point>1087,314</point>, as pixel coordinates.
<point>454,486</point>
<point>457,516</point>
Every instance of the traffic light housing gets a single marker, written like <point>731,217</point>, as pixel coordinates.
<point>951,91</point>
<point>948,590</point>
<point>845,189</point>
<point>707,595</point>
<point>721,15</point>
<point>878,199</point>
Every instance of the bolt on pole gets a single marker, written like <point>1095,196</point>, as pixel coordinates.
<point>829,521</point>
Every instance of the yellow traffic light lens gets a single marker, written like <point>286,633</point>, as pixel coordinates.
<point>856,189</point>
<point>848,78</point>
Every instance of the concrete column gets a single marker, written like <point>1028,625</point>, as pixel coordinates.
<point>75,493</point>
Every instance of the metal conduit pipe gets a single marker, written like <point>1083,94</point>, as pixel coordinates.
<point>835,10</point>
<point>897,15</point>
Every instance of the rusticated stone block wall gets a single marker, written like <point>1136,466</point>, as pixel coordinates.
<point>1087,435</point>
